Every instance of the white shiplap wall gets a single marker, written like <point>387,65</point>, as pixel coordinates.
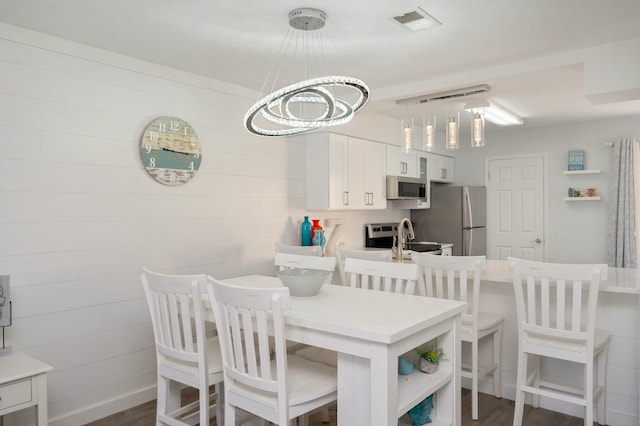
<point>80,216</point>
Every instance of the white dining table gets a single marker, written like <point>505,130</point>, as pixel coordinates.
<point>369,330</point>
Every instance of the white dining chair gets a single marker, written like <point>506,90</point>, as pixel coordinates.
<point>304,250</point>
<point>382,276</point>
<point>342,254</point>
<point>183,352</point>
<point>556,308</point>
<point>372,275</point>
<point>458,278</point>
<point>260,377</point>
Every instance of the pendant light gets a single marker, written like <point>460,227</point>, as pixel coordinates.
<point>309,104</point>
<point>477,128</point>
<point>452,127</point>
<point>407,135</point>
<point>429,132</point>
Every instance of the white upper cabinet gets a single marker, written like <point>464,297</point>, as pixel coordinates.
<point>400,163</point>
<point>345,173</point>
<point>441,167</point>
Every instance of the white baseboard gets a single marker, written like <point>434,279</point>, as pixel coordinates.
<point>107,408</point>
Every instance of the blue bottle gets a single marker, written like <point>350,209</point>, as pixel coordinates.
<point>319,239</point>
<point>305,232</point>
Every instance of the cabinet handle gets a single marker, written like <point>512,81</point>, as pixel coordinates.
<point>345,198</point>
<point>444,173</point>
<point>371,203</point>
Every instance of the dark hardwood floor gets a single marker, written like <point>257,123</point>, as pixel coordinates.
<point>492,412</point>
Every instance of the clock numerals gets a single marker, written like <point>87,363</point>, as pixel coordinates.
<point>171,150</point>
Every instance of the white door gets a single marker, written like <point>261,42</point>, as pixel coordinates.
<point>516,205</point>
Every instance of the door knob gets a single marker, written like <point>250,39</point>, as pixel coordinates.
<point>537,241</point>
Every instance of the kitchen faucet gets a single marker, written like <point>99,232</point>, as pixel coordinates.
<point>400,241</point>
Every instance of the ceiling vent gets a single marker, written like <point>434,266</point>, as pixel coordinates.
<point>449,94</point>
<point>416,20</point>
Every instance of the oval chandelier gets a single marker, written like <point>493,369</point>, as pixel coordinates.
<point>311,103</point>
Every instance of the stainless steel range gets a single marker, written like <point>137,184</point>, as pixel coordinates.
<point>384,235</point>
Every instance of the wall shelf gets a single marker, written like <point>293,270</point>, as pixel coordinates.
<point>582,172</point>
<point>581,198</point>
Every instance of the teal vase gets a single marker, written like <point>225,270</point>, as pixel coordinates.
<point>319,238</point>
<point>305,232</point>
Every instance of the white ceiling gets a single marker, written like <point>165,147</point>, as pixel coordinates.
<point>524,50</point>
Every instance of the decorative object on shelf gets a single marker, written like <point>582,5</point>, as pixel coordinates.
<point>576,160</point>
<point>429,129</point>
<point>305,232</point>
<point>405,367</point>
<point>420,414</point>
<point>319,239</point>
<point>309,104</point>
<point>591,192</point>
<point>452,127</point>
<point>577,193</point>
<point>315,226</point>
<point>5,311</point>
<point>171,151</point>
<point>430,358</point>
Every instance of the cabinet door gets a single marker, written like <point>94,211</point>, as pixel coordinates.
<point>358,199</point>
<point>400,163</point>
<point>441,168</point>
<point>375,178</point>
<point>338,172</point>
<point>327,165</point>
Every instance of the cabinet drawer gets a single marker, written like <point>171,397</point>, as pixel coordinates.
<point>15,393</point>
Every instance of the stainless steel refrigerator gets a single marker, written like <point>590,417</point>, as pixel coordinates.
<point>458,215</point>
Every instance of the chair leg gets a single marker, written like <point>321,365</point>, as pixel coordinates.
<point>588,394</point>
<point>521,378</point>
<point>474,380</point>
<point>229,414</point>
<point>324,414</point>
<point>163,394</point>
<point>497,356</point>
<point>536,380</point>
<point>601,382</point>
<point>203,396</point>
<point>219,403</point>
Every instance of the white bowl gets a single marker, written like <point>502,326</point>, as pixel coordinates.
<point>303,282</point>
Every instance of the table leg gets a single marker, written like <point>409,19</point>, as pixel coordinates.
<point>384,387</point>
<point>354,397</point>
<point>41,407</point>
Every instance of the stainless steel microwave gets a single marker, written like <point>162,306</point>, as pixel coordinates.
<point>406,188</point>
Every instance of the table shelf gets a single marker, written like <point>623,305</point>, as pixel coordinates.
<point>415,387</point>
<point>581,198</point>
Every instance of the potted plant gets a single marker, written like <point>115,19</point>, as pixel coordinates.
<point>430,358</point>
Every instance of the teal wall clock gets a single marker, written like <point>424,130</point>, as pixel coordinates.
<point>171,151</point>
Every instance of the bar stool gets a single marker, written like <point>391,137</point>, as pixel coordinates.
<point>556,307</point>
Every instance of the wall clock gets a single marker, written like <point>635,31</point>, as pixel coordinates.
<point>171,151</point>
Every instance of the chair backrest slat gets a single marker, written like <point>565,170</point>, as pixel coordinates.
<point>175,305</point>
<point>343,254</point>
<point>452,277</point>
<point>382,276</point>
<point>245,318</point>
<point>555,299</point>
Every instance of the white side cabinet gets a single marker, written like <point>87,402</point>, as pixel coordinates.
<point>345,173</point>
<point>441,167</point>
<point>400,163</point>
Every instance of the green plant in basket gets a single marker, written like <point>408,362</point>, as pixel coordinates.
<point>432,355</point>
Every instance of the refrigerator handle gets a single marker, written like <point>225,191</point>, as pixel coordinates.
<point>468,198</point>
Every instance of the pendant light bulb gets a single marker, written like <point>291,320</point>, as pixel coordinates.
<point>429,136</point>
<point>407,135</point>
<point>452,131</point>
<point>477,129</point>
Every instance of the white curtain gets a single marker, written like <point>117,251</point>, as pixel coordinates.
<point>621,245</point>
